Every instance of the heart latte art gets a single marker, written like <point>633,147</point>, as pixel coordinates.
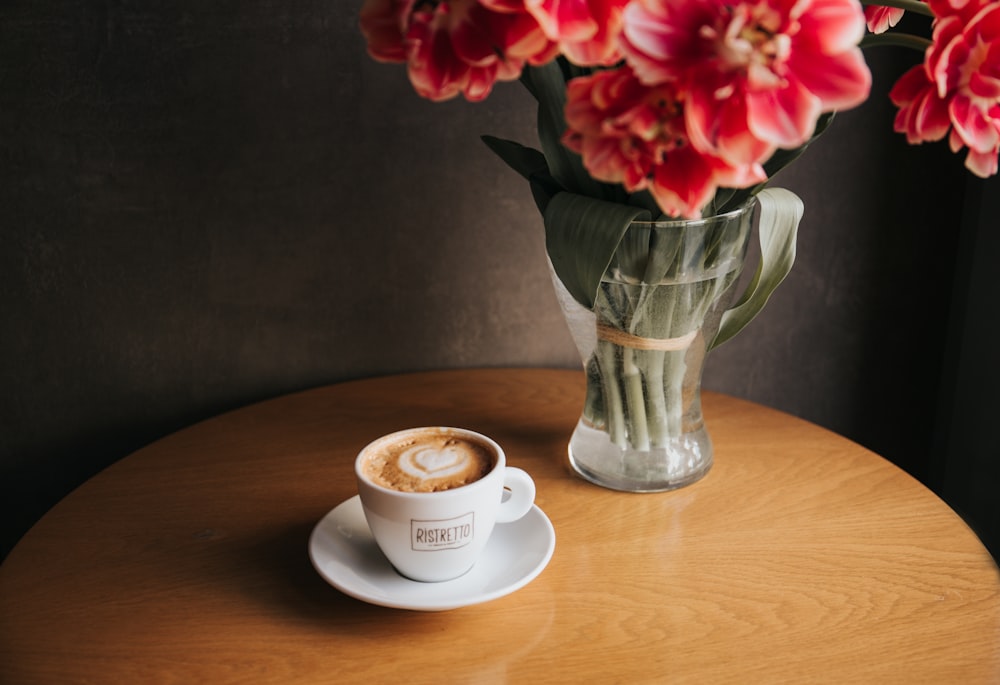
<point>428,461</point>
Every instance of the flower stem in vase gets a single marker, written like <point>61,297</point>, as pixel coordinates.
<point>658,411</point>
<point>614,407</point>
<point>635,398</point>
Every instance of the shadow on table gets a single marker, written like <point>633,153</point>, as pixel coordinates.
<point>284,585</point>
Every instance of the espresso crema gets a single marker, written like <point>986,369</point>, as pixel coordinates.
<point>428,460</point>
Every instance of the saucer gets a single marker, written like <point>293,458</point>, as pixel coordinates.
<point>344,552</point>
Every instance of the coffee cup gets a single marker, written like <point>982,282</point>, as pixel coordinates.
<point>432,496</point>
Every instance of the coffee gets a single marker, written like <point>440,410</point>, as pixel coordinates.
<point>427,460</point>
<point>433,495</point>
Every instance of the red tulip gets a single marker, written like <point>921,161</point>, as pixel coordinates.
<point>454,47</point>
<point>634,134</point>
<point>757,73</point>
<point>956,91</point>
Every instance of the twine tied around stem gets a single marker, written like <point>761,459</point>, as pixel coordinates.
<point>620,337</point>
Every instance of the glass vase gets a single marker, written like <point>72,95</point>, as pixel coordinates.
<point>644,346</point>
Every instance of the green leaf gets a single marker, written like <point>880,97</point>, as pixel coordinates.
<point>896,40</point>
<point>581,236</point>
<point>780,213</point>
<point>524,160</point>
<point>530,164</point>
<point>548,84</point>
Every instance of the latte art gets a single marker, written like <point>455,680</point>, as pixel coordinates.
<point>425,461</point>
<point>428,461</point>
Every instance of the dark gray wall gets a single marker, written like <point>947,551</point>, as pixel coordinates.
<point>965,469</point>
<point>204,204</point>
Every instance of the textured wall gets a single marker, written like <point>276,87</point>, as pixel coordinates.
<point>203,204</point>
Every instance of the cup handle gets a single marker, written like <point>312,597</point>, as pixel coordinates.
<point>521,489</point>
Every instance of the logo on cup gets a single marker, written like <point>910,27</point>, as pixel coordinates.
<point>430,536</point>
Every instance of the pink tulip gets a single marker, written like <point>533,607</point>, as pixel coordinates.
<point>586,30</point>
<point>956,91</point>
<point>881,19</point>
<point>634,134</point>
<point>758,73</point>
<point>923,116</point>
<point>455,47</point>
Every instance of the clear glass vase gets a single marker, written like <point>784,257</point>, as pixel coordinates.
<point>644,346</point>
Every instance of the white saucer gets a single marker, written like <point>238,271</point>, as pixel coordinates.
<point>344,552</point>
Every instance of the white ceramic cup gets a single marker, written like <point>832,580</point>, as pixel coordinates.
<point>437,536</point>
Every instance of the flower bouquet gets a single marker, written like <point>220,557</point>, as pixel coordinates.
<point>660,126</point>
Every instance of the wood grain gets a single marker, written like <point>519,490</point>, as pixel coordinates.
<point>801,557</point>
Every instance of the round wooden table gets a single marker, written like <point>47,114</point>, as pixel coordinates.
<point>800,557</point>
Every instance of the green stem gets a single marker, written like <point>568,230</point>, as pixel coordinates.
<point>899,40</point>
<point>658,433</point>
<point>673,389</point>
<point>653,361</point>
<point>614,407</point>
<point>635,400</point>
<point>593,406</point>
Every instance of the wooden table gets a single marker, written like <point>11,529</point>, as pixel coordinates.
<point>801,557</point>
